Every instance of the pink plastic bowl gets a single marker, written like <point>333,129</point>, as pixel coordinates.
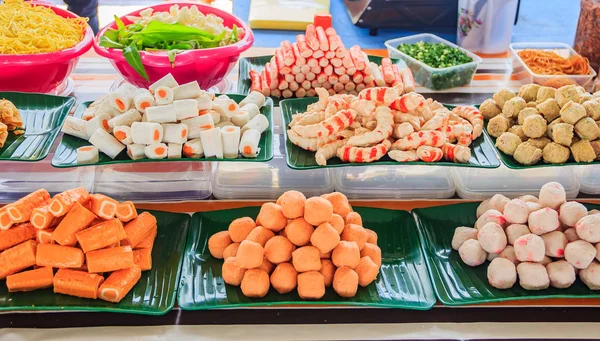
<point>207,66</point>
<point>42,72</point>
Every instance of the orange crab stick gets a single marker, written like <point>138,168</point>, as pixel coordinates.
<point>17,258</point>
<point>5,220</point>
<point>111,259</point>
<point>16,235</point>
<point>148,242</point>
<point>77,283</point>
<point>58,256</point>
<point>126,211</point>
<point>118,284</point>
<point>139,228</point>
<point>103,206</point>
<point>101,235</point>
<point>44,236</point>
<point>20,211</point>
<point>76,220</point>
<point>41,278</point>
<point>62,203</point>
<point>142,258</point>
<point>42,218</point>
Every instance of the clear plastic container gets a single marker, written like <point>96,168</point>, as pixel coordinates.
<point>267,180</point>
<point>429,77</point>
<point>589,178</point>
<point>155,182</point>
<point>394,182</point>
<point>479,184</point>
<point>524,74</point>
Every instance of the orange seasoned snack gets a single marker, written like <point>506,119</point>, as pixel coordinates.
<point>74,241</point>
<point>304,244</point>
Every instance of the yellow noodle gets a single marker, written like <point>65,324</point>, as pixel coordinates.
<point>29,29</point>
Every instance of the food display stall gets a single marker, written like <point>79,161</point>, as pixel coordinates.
<point>167,180</point>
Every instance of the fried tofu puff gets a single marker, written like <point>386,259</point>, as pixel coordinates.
<point>250,254</point>
<point>255,283</point>
<point>355,233</point>
<point>583,151</point>
<point>372,238</point>
<point>502,96</point>
<point>372,251</point>
<point>278,250</point>
<point>240,228</point>
<point>523,114</point>
<point>271,216</point>
<point>345,282</point>
<point>338,223</point>
<point>218,242</point>
<point>513,106</point>
<point>539,142</point>
<point>327,270</point>
<point>555,153</point>
<point>527,154</point>
<point>367,271</point>
<point>292,204</point>
<point>325,238</point>
<point>354,218</point>
<point>596,147</point>
<point>592,109</point>
<point>284,278</point>
<point>311,285</point>
<point>545,93</point>
<point>231,272</point>
<point>339,202</point>
<point>572,112</point>
<point>498,125</point>
<point>489,109</point>
<point>508,143</point>
<point>317,211</point>
<point>549,109</point>
<point>298,231</point>
<point>502,273</point>
<point>567,93</point>
<point>529,92</point>
<point>586,128</point>
<point>534,126</point>
<point>562,133</point>
<point>518,130</point>
<point>231,250</point>
<point>306,258</point>
<point>260,235</point>
<point>346,254</point>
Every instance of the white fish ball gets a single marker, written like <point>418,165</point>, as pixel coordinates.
<point>533,206</point>
<point>530,248</point>
<point>462,234</point>
<point>492,238</point>
<point>561,274</point>
<point>552,195</point>
<point>509,253</point>
<point>502,273</point>
<point>591,276</point>
<point>533,276</point>
<point>570,213</point>
<point>515,231</point>
<point>490,216</point>
<point>472,253</point>
<point>529,198</point>
<point>580,254</point>
<point>588,228</point>
<point>571,234</point>
<point>516,211</point>
<point>484,206</point>
<point>555,243</point>
<point>543,221</point>
<point>498,201</point>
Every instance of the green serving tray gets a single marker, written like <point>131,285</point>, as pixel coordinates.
<point>258,64</point>
<point>154,294</point>
<point>402,282</point>
<point>66,153</point>
<point>482,153</point>
<point>456,283</point>
<point>43,116</point>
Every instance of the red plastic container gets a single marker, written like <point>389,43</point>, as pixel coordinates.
<point>42,72</point>
<point>207,66</point>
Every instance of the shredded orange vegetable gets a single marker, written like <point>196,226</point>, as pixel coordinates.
<point>29,29</point>
<point>550,63</point>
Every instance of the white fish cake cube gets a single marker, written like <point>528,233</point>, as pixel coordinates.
<point>174,151</point>
<point>251,109</point>
<point>249,143</point>
<point>136,151</point>
<point>75,127</point>
<point>146,132</point>
<point>87,155</point>
<point>212,143</point>
<point>125,119</point>
<point>185,108</point>
<point>106,143</point>
<point>98,122</point>
<point>259,122</point>
<point>167,81</point>
<point>123,134</point>
<point>175,133</point>
<point>254,97</point>
<point>161,114</point>
<point>204,102</point>
<point>198,124</point>
<point>231,141</point>
<point>163,95</point>
<point>156,151</point>
<point>193,149</point>
<point>189,90</point>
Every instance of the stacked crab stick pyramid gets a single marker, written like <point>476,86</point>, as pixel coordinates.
<point>318,59</point>
<point>97,246</point>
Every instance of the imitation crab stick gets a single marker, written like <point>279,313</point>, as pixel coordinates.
<point>118,284</point>
<point>42,218</point>
<point>16,235</point>
<point>58,256</point>
<point>62,203</point>
<point>139,228</point>
<point>17,258</point>
<point>41,278</point>
<point>103,206</point>
<point>126,211</point>
<point>44,236</point>
<point>142,258</point>
<point>77,283</point>
<point>111,259</point>
<point>5,221</point>
<point>101,235</point>
<point>20,210</point>
<point>148,242</point>
<point>76,220</point>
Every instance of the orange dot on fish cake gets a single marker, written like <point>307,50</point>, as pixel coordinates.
<point>284,278</point>
<point>373,251</point>
<point>255,283</point>
<point>367,271</point>
<point>327,270</point>
<point>278,250</point>
<point>325,238</point>
<point>240,228</point>
<point>231,250</point>
<point>345,282</point>
<point>249,255</point>
<point>298,231</point>
<point>306,258</point>
<point>354,218</point>
<point>292,204</point>
<point>340,203</point>
<point>311,285</point>
<point>317,211</point>
<point>355,233</point>
<point>346,254</point>
<point>338,223</point>
<point>271,216</point>
<point>232,273</point>
<point>260,235</point>
<point>217,243</point>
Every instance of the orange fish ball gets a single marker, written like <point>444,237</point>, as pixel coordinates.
<point>278,250</point>
<point>231,272</point>
<point>283,233</point>
<point>338,223</point>
<point>292,204</point>
<point>231,250</point>
<point>372,237</point>
<point>340,203</point>
<point>260,235</point>
<point>311,285</point>
<point>298,231</point>
<point>217,243</point>
<point>373,252</point>
<point>266,266</point>
<point>367,271</point>
<point>317,211</point>
<point>355,233</point>
<point>255,283</point>
<point>306,258</point>
<point>240,228</point>
<point>271,216</point>
<point>346,254</point>
<point>354,218</point>
<point>327,270</point>
<point>325,255</point>
<point>325,238</point>
<point>250,255</point>
<point>284,278</point>
<point>345,282</point>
